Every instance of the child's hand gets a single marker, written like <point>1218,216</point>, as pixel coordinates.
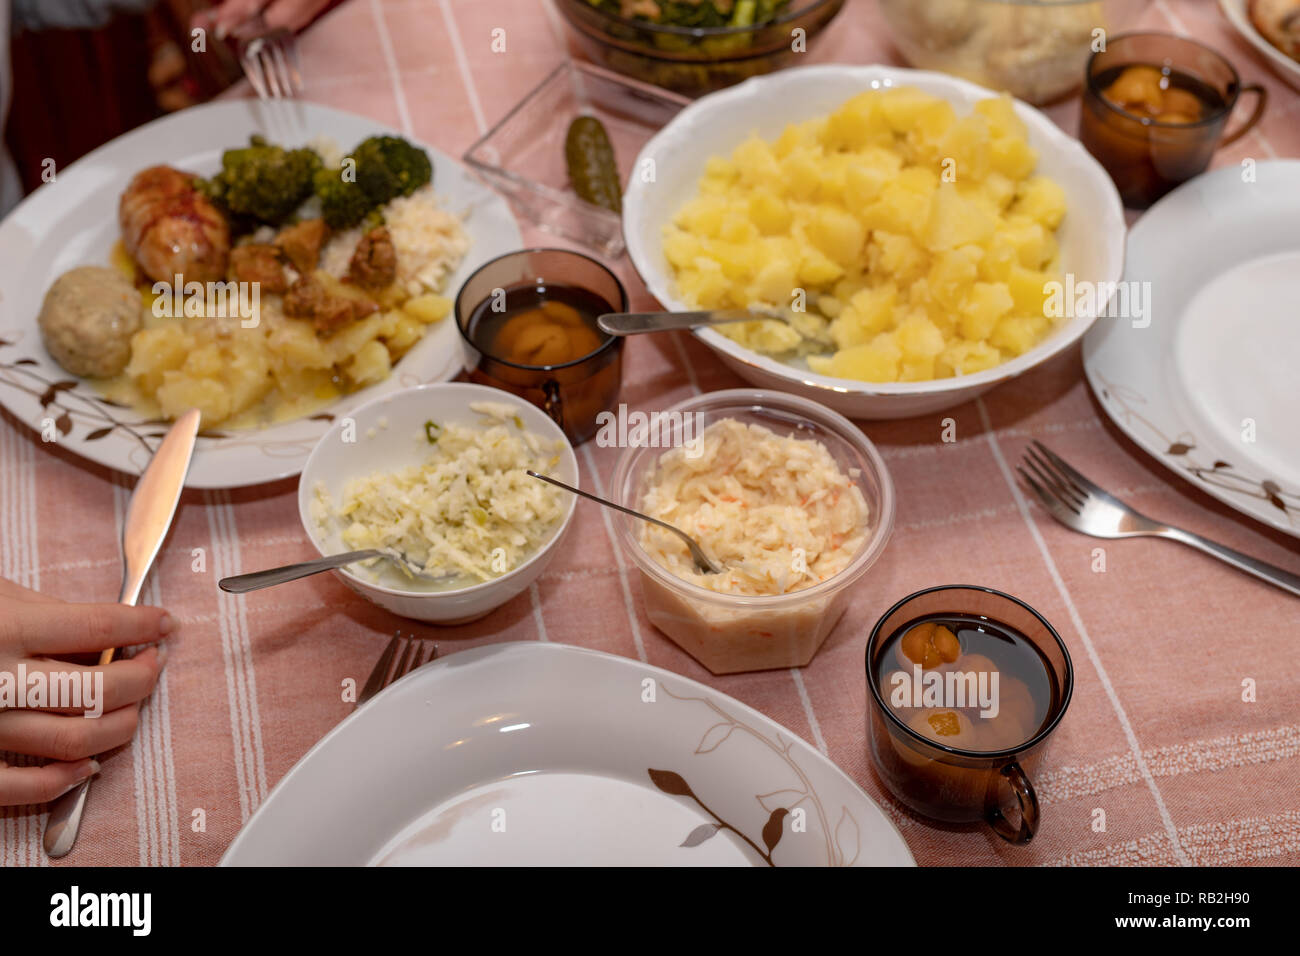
<point>36,630</point>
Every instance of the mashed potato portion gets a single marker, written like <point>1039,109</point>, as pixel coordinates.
<point>777,513</point>
<point>920,242</point>
<point>469,512</point>
<point>281,368</point>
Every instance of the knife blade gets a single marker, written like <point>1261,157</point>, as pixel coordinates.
<point>148,518</point>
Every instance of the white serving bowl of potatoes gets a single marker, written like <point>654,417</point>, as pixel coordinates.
<point>388,434</point>
<point>1088,243</point>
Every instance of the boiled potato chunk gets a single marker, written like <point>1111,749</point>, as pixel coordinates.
<point>428,308</point>
<point>370,364</point>
<point>1001,116</point>
<point>1017,334</point>
<point>875,361</point>
<point>1013,157</point>
<point>838,234</point>
<point>774,282</point>
<point>754,161</point>
<point>180,392</point>
<point>987,303</point>
<point>922,241</point>
<point>1041,200</point>
<point>858,123</point>
<point>278,369</point>
<point>868,313</point>
<point>295,343</point>
<point>770,213</point>
<point>154,352</point>
<point>957,221</point>
<point>405,333</point>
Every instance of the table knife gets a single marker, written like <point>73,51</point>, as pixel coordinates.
<point>148,519</point>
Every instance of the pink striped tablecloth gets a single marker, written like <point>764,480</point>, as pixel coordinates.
<point>1157,735</point>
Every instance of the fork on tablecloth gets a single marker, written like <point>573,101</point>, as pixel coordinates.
<point>1078,503</point>
<point>400,657</point>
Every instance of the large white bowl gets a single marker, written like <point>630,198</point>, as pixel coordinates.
<point>1091,238</point>
<point>387,433</point>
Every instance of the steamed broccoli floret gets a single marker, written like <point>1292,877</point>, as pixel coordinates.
<point>389,166</point>
<point>343,203</point>
<point>263,181</point>
<point>379,169</point>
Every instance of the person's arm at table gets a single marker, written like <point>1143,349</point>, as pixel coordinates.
<point>35,628</point>
<point>290,14</point>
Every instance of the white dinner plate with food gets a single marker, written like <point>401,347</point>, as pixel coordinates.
<point>890,258</point>
<point>74,221</point>
<point>547,754</point>
<point>1208,387</point>
<point>1281,20</point>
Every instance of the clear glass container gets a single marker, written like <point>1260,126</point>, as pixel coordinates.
<point>733,633</point>
<point>1033,49</point>
<point>697,60</point>
<point>522,156</point>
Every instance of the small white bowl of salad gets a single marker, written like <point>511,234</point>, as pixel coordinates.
<point>437,474</point>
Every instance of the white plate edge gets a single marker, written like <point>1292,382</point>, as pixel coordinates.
<point>471,656</point>
<point>1250,507</point>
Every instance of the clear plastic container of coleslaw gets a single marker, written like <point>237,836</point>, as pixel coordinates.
<point>726,630</point>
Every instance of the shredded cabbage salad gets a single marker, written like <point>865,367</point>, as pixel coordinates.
<point>468,511</point>
<point>777,513</point>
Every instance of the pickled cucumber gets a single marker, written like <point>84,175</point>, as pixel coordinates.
<point>592,167</point>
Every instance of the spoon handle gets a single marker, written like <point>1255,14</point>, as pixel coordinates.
<point>702,560</point>
<point>256,580</point>
<point>634,323</point>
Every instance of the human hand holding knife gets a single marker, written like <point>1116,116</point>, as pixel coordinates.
<point>148,519</point>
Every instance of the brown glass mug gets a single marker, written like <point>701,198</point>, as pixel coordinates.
<point>946,783</point>
<point>1144,156</point>
<point>573,393</point>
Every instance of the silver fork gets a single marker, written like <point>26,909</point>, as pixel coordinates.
<point>270,60</point>
<point>1078,503</point>
<point>400,657</point>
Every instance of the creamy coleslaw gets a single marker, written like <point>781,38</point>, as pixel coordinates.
<point>778,513</point>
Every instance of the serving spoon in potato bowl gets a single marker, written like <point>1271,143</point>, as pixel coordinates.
<point>256,580</point>
<point>636,323</point>
<point>703,562</point>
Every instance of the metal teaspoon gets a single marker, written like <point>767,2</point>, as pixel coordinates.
<point>702,561</point>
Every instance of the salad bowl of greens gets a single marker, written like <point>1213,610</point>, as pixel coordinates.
<point>696,46</point>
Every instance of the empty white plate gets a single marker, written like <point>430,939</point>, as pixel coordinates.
<point>547,754</point>
<point>1209,386</point>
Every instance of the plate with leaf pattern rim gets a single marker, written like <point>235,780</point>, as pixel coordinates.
<point>73,221</point>
<point>1237,13</point>
<point>1215,252</point>
<point>528,753</point>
